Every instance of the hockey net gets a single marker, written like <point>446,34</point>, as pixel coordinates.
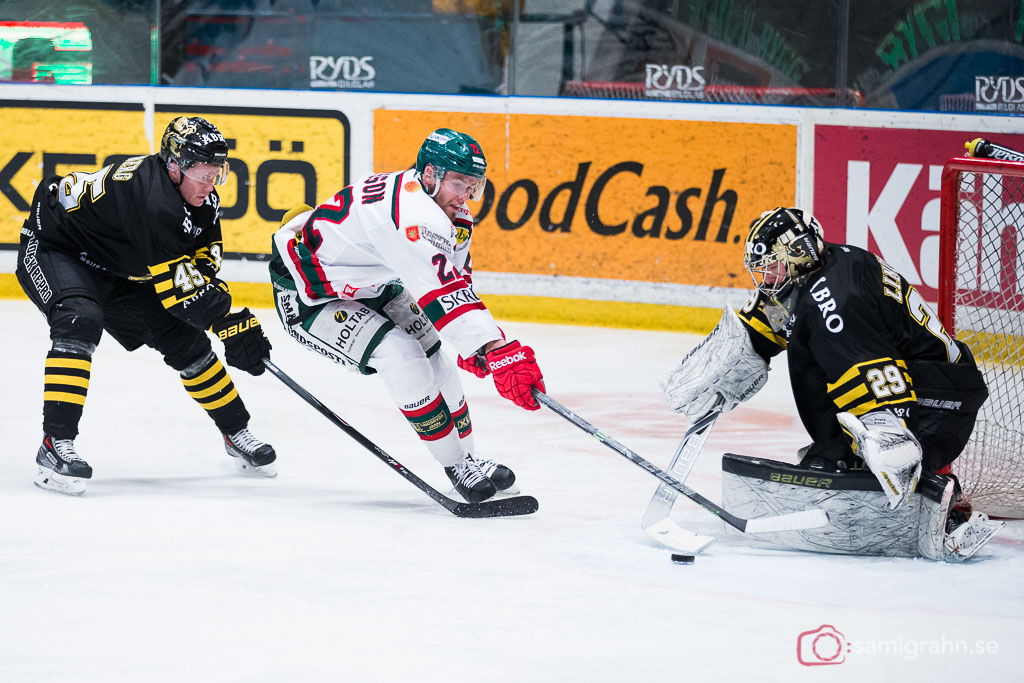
<point>981,300</point>
<point>737,94</point>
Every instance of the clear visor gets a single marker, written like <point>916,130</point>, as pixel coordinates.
<point>463,185</point>
<point>208,174</point>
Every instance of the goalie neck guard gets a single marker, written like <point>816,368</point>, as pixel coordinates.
<point>783,248</point>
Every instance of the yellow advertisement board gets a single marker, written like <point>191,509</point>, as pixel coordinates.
<point>279,158</point>
<point>53,138</point>
<point>627,199</point>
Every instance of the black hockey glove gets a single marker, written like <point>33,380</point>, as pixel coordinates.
<point>245,345</point>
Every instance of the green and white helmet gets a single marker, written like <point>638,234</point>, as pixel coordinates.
<point>448,150</point>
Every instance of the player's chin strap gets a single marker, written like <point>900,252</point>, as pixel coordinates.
<point>437,181</point>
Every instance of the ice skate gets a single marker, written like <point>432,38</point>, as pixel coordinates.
<point>252,455</point>
<point>60,468</point>
<point>470,481</point>
<point>504,479</point>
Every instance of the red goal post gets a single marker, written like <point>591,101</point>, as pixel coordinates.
<point>981,301</point>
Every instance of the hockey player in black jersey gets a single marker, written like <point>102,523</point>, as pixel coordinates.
<point>878,382</point>
<point>134,249</point>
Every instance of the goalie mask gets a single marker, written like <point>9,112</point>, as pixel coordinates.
<point>197,148</point>
<point>448,150</point>
<point>783,248</point>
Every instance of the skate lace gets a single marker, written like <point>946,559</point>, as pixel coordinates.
<point>486,466</point>
<point>469,473</point>
<point>65,449</point>
<point>245,441</point>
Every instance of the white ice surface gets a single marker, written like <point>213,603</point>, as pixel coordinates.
<point>173,567</point>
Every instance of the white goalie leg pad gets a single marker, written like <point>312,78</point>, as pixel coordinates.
<point>860,521</point>
<point>723,368</point>
<point>890,451</point>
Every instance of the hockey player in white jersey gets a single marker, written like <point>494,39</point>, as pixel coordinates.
<point>371,277</point>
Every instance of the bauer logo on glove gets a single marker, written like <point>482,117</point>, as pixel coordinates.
<point>237,328</point>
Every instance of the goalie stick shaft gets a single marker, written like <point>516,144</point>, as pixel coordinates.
<point>807,519</point>
<point>505,507</point>
<point>657,522</point>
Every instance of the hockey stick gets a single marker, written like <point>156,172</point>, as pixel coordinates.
<point>657,522</point>
<point>505,507</point>
<point>805,519</point>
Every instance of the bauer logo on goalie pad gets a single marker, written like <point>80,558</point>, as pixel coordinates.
<point>801,480</point>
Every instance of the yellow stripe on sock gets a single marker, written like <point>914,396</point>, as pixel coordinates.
<point>222,402</point>
<point>210,391</point>
<point>69,380</point>
<point>63,396</point>
<point>73,363</point>
<point>199,379</point>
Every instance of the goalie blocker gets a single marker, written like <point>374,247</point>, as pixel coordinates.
<point>860,521</point>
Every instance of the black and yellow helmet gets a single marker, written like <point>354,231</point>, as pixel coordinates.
<point>190,140</point>
<point>786,236</point>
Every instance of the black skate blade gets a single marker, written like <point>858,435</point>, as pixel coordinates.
<point>502,507</point>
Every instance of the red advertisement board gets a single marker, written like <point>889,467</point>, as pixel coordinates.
<point>879,188</point>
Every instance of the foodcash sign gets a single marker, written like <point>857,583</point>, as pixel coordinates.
<point>627,199</point>
<point>880,189</point>
<point>279,158</point>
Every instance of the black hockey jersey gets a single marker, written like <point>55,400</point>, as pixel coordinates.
<point>130,221</point>
<point>860,338</point>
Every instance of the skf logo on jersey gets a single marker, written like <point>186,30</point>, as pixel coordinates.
<point>349,291</point>
<point>412,186</point>
<point>413,233</point>
<point>340,316</point>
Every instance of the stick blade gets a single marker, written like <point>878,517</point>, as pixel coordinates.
<point>671,535</point>
<point>504,507</point>
<point>794,521</point>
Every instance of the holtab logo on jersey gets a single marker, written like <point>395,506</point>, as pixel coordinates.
<point>676,81</point>
<point>412,233</point>
<point>341,72</point>
<point>517,357</point>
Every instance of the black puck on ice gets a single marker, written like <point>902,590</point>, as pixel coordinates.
<point>683,559</point>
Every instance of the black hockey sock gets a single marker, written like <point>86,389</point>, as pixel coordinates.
<point>66,383</point>
<point>209,384</point>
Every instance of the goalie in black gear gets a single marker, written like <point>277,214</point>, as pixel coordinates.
<point>134,250</point>
<point>878,383</point>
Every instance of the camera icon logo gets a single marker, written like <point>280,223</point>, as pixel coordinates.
<point>822,646</point>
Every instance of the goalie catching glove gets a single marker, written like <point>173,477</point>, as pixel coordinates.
<point>245,345</point>
<point>516,373</point>
<point>890,451</point>
<point>724,368</point>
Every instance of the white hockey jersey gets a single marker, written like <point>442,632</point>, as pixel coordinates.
<point>383,228</point>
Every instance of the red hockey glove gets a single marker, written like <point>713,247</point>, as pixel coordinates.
<point>474,364</point>
<point>516,373</point>
<point>477,363</point>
